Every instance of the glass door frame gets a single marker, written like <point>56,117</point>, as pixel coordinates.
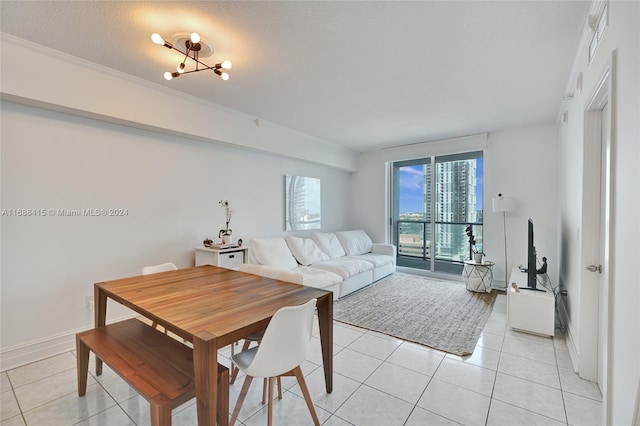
<point>395,206</point>
<point>431,221</point>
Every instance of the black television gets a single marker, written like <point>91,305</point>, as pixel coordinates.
<point>531,259</point>
<point>532,270</point>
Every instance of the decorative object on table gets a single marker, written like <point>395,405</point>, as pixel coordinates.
<point>195,47</point>
<point>504,205</point>
<point>226,234</point>
<point>440,314</point>
<point>477,255</point>
<point>543,268</point>
<point>302,203</point>
<point>240,242</point>
<point>207,242</point>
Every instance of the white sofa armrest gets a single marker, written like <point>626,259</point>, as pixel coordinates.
<point>388,249</point>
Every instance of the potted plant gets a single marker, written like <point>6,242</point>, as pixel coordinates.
<point>477,255</point>
<point>226,234</point>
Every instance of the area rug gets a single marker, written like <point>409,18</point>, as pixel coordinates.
<point>443,315</point>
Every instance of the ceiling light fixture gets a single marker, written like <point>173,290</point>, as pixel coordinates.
<point>193,46</point>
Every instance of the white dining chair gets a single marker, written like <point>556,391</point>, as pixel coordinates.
<point>154,269</point>
<point>283,348</point>
<point>257,337</point>
<point>163,267</point>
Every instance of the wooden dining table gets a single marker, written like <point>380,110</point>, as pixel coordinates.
<point>213,307</point>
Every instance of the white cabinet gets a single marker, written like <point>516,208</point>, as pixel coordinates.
<point>230,258</point>
<point>530,310</point>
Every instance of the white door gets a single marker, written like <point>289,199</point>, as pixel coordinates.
<point>603,290</point>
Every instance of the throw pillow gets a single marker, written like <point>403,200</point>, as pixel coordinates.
<point>328,243</point>
<point>273,252</point>
<point>355,242</point>
<point>305,250</point>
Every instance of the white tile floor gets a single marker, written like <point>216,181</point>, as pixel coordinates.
<point>512,378</point>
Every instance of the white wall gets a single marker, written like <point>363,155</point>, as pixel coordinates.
<point>522,164</point>
<point>519,163</point>
<point>621,35</point>
<point>170,187</point>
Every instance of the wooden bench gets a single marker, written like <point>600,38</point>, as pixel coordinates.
<point>158,367</point>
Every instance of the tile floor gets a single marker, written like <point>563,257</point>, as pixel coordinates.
<point>512,378</point>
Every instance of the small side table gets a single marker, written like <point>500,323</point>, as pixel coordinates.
<point>478,276</point>
<point>230,258</point>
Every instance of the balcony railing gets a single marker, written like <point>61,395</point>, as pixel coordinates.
<point>449,245</point>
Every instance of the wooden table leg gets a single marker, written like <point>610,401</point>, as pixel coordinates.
<point>100,317</point>
<point>82,359</point>
<point>205,364</point>
<point>325,324</point>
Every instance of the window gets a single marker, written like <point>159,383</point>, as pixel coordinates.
<point>435,198</point>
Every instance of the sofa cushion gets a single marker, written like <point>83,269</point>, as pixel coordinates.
<point>290,275</point>
<point>328,243</point>
<point>305,250</point>
<point>376,260</point>
<point>345,267</point>
<point>273,252</point>
<point>318,278</point>
<point>355,242</point>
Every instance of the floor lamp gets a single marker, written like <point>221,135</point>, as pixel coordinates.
<point>504,205</point>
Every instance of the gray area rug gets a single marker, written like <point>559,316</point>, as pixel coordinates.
<point>443,315</point>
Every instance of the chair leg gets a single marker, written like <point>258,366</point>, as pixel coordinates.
<point>264,391</point>
<point>241,397</point>
<point>232,376</point>
<point>155,325</point>
<point>279,388</point>
<point>270,406</point>
<point>307,396</point>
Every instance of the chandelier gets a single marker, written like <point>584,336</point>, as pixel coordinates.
<point>193,47</point>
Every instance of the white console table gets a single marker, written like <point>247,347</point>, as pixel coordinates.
<point>230,258</point>
<point>530,310</point>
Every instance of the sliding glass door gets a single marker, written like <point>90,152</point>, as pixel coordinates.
<point>435,198</point>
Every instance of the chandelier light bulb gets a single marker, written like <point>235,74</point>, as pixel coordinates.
<point>192,48</point>
<point>157,38</point>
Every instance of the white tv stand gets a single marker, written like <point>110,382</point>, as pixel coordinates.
<point>530,310</point>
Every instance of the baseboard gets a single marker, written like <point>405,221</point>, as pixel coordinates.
<point>37,350</point>
<point>499,285</point>
<point>571,345</point>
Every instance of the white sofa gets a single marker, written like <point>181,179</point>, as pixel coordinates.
<point>341,262</point>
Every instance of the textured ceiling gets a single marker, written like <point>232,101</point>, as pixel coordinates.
<point>364,75</point>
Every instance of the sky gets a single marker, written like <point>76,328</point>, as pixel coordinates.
<point>412,181</point>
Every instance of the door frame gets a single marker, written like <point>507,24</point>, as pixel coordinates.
<point>603,94</point>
